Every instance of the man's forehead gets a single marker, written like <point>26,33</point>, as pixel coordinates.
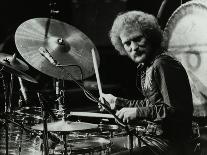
<point>131,32</point>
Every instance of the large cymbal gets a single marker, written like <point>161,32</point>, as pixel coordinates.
<point>66,126</point>
<point>15,66</point>
<point>66,44</point>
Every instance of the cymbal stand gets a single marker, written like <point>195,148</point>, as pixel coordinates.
<point>45,131</point>
<point>60,93</point>
<point>52,12</point>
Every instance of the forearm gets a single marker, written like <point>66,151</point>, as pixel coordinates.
<point>144,111</point>
<point>122,102</point>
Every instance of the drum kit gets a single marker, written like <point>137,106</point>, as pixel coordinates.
<point>63,52</point>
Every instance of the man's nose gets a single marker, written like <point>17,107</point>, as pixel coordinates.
<point>134,45</point>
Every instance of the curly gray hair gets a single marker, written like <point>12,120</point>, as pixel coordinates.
<point>137,19</point>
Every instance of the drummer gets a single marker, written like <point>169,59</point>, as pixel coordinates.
<point>162,80</point>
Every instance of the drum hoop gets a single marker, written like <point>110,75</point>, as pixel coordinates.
<point>171,22</point>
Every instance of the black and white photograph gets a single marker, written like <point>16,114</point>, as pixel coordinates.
<point>103,77</point>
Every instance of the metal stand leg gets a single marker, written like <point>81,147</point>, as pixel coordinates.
<point>45,131</point>
<point>130,136</point>
<point>6,111</point>
<point>65,144</point>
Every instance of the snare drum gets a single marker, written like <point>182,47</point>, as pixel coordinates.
<point>85,146</point>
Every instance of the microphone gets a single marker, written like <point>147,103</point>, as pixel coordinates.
<point>22,89</point>
<point>44,52</point>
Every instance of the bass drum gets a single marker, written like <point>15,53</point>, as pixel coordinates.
<point>186,39</point>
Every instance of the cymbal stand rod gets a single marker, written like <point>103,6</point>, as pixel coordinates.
<point>47,27</point>
<point>62,98</point>
<point>130,136</point>
<point>57,92</point>
<point>60,92</point>
<point>65,144</point>
<point>52,12</point>
<point>45,131</point>
<point>10,92</point>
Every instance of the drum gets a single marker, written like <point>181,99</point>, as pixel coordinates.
<point>85,146</point>
<point>119,139</point>
<point>186,39</point>
<point>19,142</point>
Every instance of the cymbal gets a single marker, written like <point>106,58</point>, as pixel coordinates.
<point>65,126</point>
<point>12,60</point>
<point>67,45</point>
<point>15,66</point>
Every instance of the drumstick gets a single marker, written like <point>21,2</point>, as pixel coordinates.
<point>97,74</point>
<point>91,114</point>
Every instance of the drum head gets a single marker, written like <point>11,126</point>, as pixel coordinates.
<point>186,38</point>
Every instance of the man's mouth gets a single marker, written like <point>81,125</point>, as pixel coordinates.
<point>139,53</point>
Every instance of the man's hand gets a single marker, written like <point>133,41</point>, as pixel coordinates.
<point>127,114</point>
<point>111,99</point>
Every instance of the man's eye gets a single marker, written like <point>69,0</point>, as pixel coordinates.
<point>127,43</point>
<point>137,39</point>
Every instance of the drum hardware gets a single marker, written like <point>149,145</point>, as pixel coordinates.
<point>45,131</point>
<point>60,94</point>
<point>13,66</point>
<point>59,126</point>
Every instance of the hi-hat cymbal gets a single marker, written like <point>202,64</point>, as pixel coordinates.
<point>65,44</point>
<point>12,60</point>
<point>65,126</point>
<point>15,66</point>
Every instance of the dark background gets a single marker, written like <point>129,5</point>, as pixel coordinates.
<point>94,18</point>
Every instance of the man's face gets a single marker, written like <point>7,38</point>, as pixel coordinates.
<point>135,44</point>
